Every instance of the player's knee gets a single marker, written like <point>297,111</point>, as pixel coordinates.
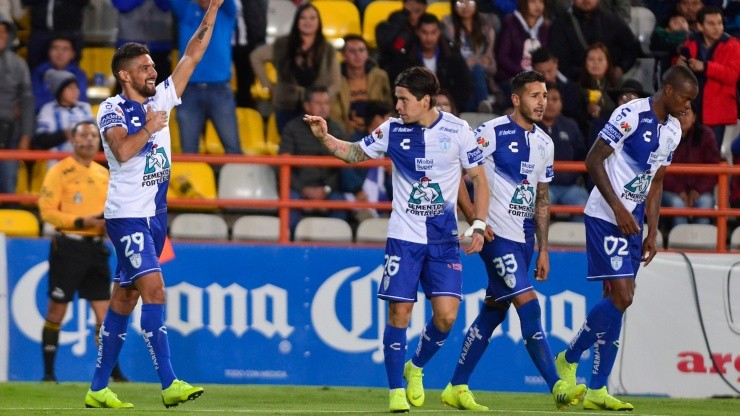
<point>444,323</point>
<point>622,300</point>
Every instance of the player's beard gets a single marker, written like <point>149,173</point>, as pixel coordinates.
<point>144,89</point>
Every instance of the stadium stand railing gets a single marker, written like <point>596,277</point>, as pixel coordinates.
<point>284,163</point>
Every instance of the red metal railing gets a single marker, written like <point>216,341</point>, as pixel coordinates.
<point>284,204</point>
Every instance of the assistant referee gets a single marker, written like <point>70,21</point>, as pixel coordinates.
<point>72,198</point>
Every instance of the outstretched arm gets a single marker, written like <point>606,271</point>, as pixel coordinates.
<point>349,152</point>
<point>196,48</point>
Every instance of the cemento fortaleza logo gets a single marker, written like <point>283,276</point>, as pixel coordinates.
<point>522,201</point>
<point>360,330</point>
<point>267,315</point>
<point>157,167</point>
<point>426,198</point>
<point>636,190</point>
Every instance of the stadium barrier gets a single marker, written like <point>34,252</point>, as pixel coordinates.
<point>284,163</point>
<point>287,314</point>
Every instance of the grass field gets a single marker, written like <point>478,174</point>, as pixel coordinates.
<point>31,399</point>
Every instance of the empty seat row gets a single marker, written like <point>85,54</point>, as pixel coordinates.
<point>683,236</point>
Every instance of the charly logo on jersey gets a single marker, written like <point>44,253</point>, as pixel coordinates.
<point>636,189</point>
<point>522,202</point>
<point>156,167</point>
<point>425,199</point>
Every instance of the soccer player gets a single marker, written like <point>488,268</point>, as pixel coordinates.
<point>136,140</point>
<point>627,163</point>
<point>72,199</point>
<point>428,149</point>
<point>519,165</point>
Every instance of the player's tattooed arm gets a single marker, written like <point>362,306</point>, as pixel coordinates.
<point>542,215</point>
<point>349,152</point>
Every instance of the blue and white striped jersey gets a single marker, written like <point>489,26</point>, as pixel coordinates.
<point>516,160</point>
<point>138,187</point>
<point>641,145</point>
<point>427,165</point>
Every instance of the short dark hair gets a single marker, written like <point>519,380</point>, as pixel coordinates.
<point>706,10</point>
<point>541,55</point>
<point>83,123</point>
<point>125,54</point>
<point>552,86</point>
<point>420,81</point>
<point>350,37</point>
<point>428,18</point>
<point>679,74</point>
<point>523,78</point>
<point>314,89</point>
<point>375,108</point>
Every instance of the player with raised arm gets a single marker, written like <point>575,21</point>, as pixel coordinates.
<point>519,166</point>
<point>627,163</point>
<point>136,140</point>
<point>428,149</point>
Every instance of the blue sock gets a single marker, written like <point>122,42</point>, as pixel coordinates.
<point>430,341</point>
<point>534,339</point>
<point>598,321</point>
<point>605,353</point>
<point>155,337</point>
<point>476,342</point>
<point>112,335</point>
<point>394,350</point>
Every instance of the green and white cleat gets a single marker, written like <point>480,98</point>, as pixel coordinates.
<point>105,399</point>
<point>179,392</point>
<point>414,384</point>
<point>397,401</point>
<point>566,394</point>
<point>601,400</point>
<point>460,397</point>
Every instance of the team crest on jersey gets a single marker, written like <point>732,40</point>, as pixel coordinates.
<point>135,260</point>
<point>636,190</point>
<point>426,198</point>
<point>616,262</point>
<point>522,202</point>
<point>625,126</point>
<point>445,143</point>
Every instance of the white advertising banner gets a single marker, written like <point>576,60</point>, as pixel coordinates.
<point>681,336</point>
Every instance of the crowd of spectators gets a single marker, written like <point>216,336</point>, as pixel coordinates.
<point>585,49</point>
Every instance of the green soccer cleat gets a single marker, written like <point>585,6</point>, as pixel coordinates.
<point>179,392</point>
<point>105,399</point>
<point>397,401</point>
<point>414,385</point>
<point>601,400</point>
<point>460,397</point>
<point>566,394</point>
<point>566,371</point>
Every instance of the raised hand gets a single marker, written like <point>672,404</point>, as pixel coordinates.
<point>317,125</point>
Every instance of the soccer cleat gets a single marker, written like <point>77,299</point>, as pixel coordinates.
<point>397,401</point>
<point>414,385</point>
<point>105,399</point>
<point>566,371</point>
<point>601,400</point>
<point>460,397</point>
<point>179,392</point>
<point>566,394</point>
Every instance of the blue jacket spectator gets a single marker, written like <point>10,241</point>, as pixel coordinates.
<point>62,56</point>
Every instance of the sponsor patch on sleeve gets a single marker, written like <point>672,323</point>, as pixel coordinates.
<point>669,159</point>
<point>110,120</point>
<point>475,155</point>
<point>549,171</point>
<point>369,140</point>
<point>611,133</point>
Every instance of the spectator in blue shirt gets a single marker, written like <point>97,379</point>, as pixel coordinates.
<point>209,94</point>
<point>62,56</point>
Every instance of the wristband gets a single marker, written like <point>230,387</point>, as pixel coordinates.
<point>478,227</point>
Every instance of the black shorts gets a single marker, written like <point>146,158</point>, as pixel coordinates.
<point>78,266</point>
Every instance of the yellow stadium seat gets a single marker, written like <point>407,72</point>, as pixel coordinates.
<point>21,185</point>
<point>273,135</point>
<point>38,171</point>
<point>211,143</point>
<point>174,133</point>
<point>338,18</point>
<point>439,9</point>
<point>376,12</point>
<point>18,223</point>
<point>94,108</point>
<point>192,180</point>
<point>251,130</point>
<point>97,60</point>
<point>259,92</point>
